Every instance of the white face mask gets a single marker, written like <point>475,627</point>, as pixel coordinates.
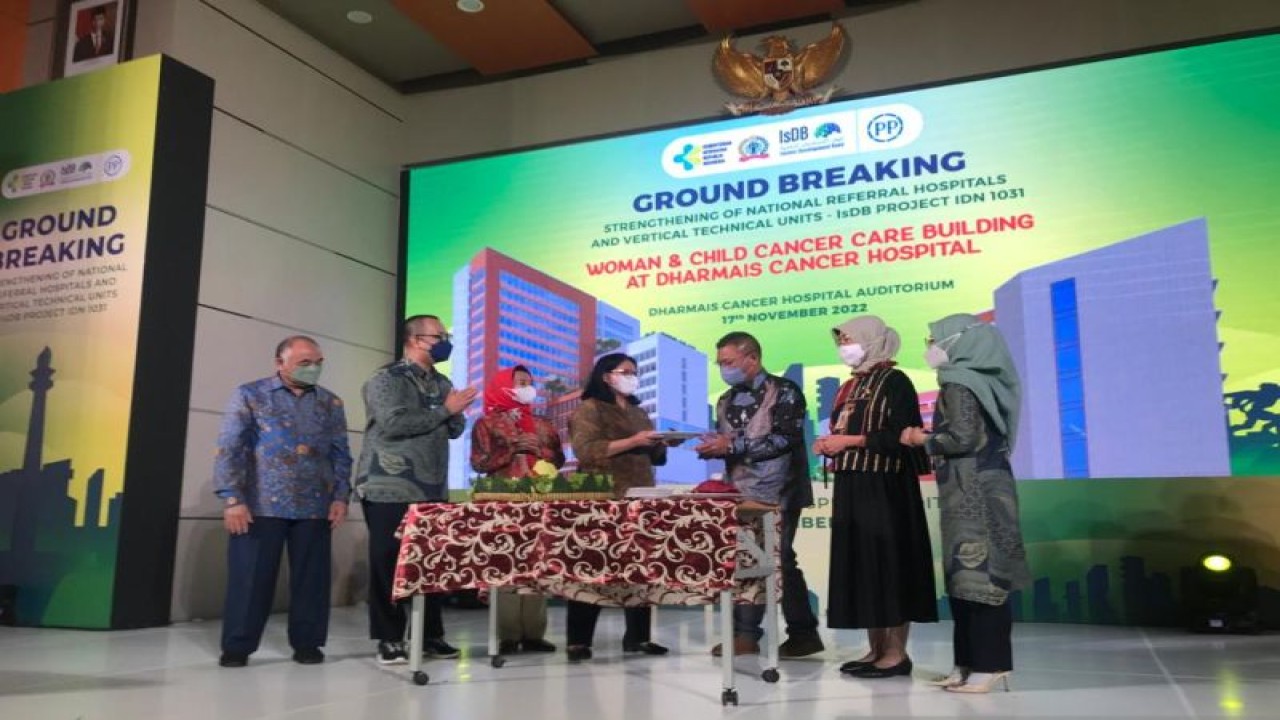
<point>852,354</point>
<point>524,395</point>
<point>626,384</point>
<point>935,356</point>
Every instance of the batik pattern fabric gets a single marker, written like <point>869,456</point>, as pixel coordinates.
<point>680,551</point>
<point>283,455</point>
<point>983,556</point>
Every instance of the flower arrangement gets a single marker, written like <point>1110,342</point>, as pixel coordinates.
<point>544,486</point>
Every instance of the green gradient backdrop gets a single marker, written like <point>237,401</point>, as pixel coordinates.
<point>1104,150</point>
<point>87,417</point>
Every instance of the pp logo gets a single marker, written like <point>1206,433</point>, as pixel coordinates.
<point>885,127</point>
<point>113,165</point>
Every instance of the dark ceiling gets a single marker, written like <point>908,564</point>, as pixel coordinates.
<point>422,45</point>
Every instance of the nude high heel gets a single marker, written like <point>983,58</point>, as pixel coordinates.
<point>986,687</point>
<point>955,679</point>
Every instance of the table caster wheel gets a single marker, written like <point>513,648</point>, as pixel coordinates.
<point>497,661</point>
<point>421,678</point>
<point>729,697</point>
<point>770,675</point>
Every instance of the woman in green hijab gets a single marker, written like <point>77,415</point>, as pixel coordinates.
<point>982,553</point>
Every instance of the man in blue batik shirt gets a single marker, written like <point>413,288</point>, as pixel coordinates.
<point>283,472</point>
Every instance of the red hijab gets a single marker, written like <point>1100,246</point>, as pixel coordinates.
<point>498,399</point>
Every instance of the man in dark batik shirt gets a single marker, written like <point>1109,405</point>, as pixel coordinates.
<point>760,424</point>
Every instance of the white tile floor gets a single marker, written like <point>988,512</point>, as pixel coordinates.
<point>1064,671</point>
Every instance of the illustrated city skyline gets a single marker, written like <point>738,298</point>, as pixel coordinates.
<point>42,546</point>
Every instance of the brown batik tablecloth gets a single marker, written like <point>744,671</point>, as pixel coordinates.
<point>669,551</point>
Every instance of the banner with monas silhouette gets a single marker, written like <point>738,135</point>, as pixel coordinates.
<point>102,183</point>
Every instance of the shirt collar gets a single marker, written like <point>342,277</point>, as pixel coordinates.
<point>417,369</point>
<point>754,385</point>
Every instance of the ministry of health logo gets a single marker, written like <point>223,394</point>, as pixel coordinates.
<point>753,148</point>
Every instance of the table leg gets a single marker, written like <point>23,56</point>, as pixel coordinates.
<point>728,693</point>
<point>495,654</point>
<point>770,673</point>
<point>416,618</point>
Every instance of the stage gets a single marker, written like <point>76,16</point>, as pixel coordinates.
<point>1063,671</point>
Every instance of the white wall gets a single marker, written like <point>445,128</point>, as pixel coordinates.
<point>300,237</point>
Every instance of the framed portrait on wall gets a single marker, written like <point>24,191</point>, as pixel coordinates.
<point>92,34</point>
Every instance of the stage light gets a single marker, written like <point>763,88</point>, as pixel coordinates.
<point>471,6</point>
<point>1220,595</point>
<point>359,17</point>
<point>1216,563</point>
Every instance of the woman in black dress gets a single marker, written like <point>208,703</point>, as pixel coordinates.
<point>882,575</point>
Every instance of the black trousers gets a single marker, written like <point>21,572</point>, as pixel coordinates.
<point>253,563</point>
<point>801,622</point>
<point>387,619</point>
<point>983,636</point>
<point>580,621</point>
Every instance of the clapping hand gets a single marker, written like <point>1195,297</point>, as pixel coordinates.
<point>458,400</point>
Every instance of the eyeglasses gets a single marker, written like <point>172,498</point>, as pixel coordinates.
<point>948,340</point>
<point>627,373</point>
<point>439,338</point>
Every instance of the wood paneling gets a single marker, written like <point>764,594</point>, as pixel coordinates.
<point>507,36</point>
<point>13,42</point>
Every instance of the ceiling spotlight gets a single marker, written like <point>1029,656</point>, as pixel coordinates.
<point>359,17</point>
<point>471,6</point>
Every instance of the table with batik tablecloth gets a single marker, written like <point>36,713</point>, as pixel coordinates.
<point>618,553</point>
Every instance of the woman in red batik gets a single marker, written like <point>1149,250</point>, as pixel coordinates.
<point>507,442</point>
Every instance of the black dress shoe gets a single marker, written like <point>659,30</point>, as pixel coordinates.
<point>854,666</point>
<point>578,653</point>
<point>871,671</point>
<point>308,656</point>
<point>233,660</point>
<point>538,645</point>
<point>508,647</point>
<point>648,648</point>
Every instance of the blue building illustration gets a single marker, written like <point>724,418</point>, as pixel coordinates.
<point>1118,353</point>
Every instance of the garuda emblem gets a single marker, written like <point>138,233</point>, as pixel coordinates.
<point>781,79</point>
